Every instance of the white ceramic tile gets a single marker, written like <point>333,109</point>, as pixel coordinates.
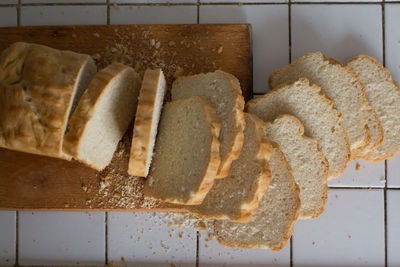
<point>349,233</point>
<point>339,31</point>
<point>393,229</point>
<point>212,254</point>
<point>7,2</point>
<point>269,35</point>
<point>393,171</point>
<point>145,239</point>
<point>7,238</point>
<point>361,173</point>
<point>8,16</point>
<point>325,1</point>
<point>392,34</point>
<point>61,238</point>
<point>62,1</point>
<point>63,15</point>
<point>244,1</point>
<point>152,1</point>
<point>153,15</point>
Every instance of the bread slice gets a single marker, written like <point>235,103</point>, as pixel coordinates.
<point>384,94</point>
<point>311,106</point>
<point>151,99</point>
<point>222,90</point>
<point>309,165</point>
<point>186,156</point>
<point>102,116</point>
<point>339,83</point>
<point>39,88</point>
<point>236,197</point>
<point>272,225</point>
<point>375,131</point>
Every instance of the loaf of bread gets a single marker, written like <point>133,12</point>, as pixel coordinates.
<point>39,88</point>
<point>102,116</point>
<point>311,106</point>
<point>272,225</point>
<point>151,99</point>
<point>236,197</point>
<point>186,156</point>
<point>309,165</point>
<point>384,94</point>
<point>222,90</point>
<point>339,83</point>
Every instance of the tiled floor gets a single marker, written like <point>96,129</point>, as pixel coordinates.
<point>351,232</point>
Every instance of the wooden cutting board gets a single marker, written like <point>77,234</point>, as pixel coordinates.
<point>30,182</point>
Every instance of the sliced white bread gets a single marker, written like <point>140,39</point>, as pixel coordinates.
<point>384,95</point>
<point>375,131</point>
<point>39,88</point>
<point>148,112</point>
<point>272,225</point>
<point>339,83</point>
<point>315,110</point>
<point>236,197</point>
<point>222,90</point>
<point>102,116</point>
<point>186,155</point>
<point>309,165</point>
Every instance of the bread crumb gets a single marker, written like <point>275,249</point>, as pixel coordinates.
<point>171,43</point>
<point>202,226</point>
<point>313,243</point>
<point>66,205</point>
<point>220,49</point>
<point>349,236</point>
<point>158,45</point>
<point>74,35</point>
<point>180,235</point>
<point>357,166</point>
<point>336,196</point>
<point>95,34</point>
<point>210,236</point>
<point>122,259</point>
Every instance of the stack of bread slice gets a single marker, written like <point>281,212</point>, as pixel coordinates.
<point>255,169</point>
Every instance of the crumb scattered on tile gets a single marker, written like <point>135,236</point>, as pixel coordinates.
<point>357,166</point>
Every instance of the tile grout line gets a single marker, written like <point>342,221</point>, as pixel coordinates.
<point>386,166</point>
<point>106,237</point>
<point>198,11</point>
<point>290,29</point>
<point>16,238</point>
<point>204,3</point>
<point>289,5</point>
<point>197,248</point>
<point>19,13</point>
<point>108,12</point>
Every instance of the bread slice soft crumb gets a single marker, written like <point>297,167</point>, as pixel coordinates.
<point>223,91</point>
<point>384,95</point>
<point>309,165</point>
<point>236,197</point>
<point>151,99</point>
<point>102,116</point>
<point>339,83</point>
<point>186,155</point>
<point>311,106</point>
<point>272,225</point>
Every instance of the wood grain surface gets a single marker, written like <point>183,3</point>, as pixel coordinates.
<point>31,182</point>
